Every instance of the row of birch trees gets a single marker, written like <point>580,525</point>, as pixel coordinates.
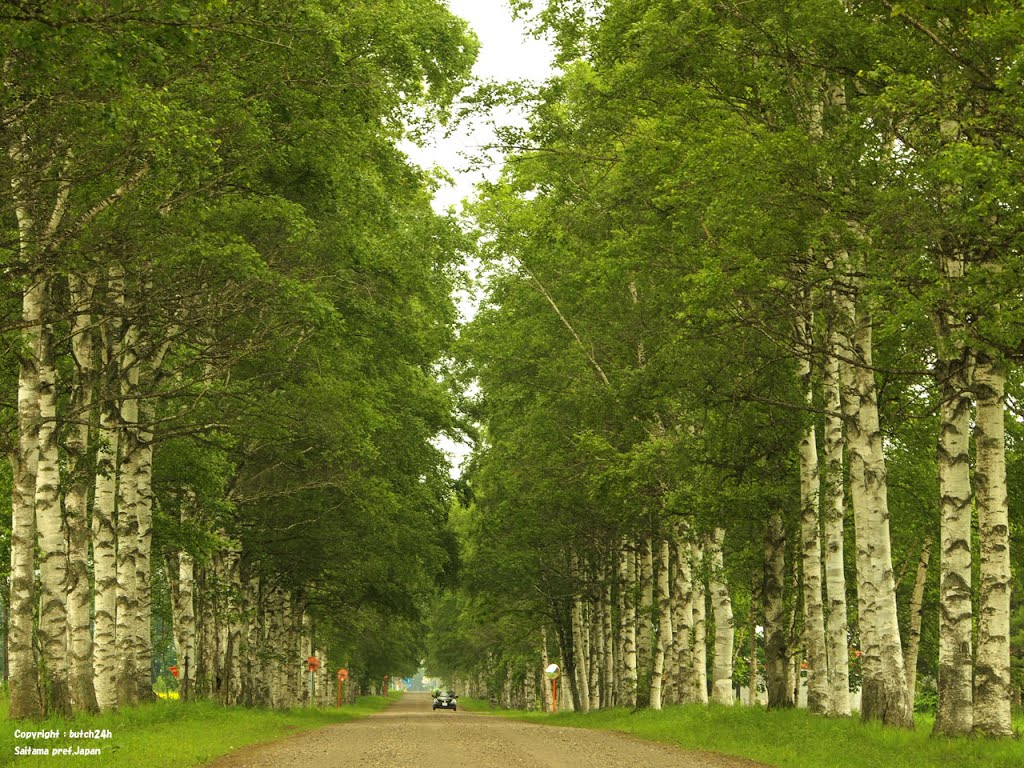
<point>747,363</point>
<point>225,298</point>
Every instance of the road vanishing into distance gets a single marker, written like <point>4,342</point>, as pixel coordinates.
<point>411,735</point>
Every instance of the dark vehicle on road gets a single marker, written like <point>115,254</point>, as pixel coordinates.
<point>445,700</point>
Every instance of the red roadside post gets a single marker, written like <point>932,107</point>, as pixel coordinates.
<point>342,677</point>
<point>312,664</point>
<point>552,673</point>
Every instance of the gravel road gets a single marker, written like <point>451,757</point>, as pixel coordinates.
<point>410,735</point>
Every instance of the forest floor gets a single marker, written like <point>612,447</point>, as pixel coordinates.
<point>410,734</point>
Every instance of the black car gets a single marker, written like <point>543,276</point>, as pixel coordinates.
<point>445,700</point>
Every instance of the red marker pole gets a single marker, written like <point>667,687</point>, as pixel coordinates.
<point>552,672</point>
<point>342,677</point>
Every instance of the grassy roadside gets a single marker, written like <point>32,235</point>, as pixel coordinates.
<point>169,734</point>
<point>790,739</point>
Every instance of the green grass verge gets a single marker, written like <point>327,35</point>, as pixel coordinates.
<point>170,734</point>
<point>788,739</point>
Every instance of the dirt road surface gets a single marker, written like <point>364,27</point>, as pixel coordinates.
<point>411,735</point>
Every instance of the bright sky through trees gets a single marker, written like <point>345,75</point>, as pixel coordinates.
<point>507,52</point>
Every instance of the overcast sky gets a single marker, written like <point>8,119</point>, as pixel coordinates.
<point>507,52</point>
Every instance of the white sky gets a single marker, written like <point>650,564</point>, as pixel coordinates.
<point>507,52</point>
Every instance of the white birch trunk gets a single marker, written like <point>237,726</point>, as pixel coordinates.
<point>646,613</point>
<point>752,698</point>
<point>277,640</point>
<point>591,646</point>
<point>105,562</point>
<point>23,672</point>
<point>35,446</point>
<point>128,545</point>
<point>143,562</point>
<point>884,693</point>
<point>955,715</point>
<point>627,626</point>
<point>834,502</point>
<point>813,609</point>
<point>83,692</point>
<point>51,530</point>
<point>104,535</point>
<point>144,500</point>
<point>682,621</point>
<point>664,624</point>
<point>725,629</point>
<point>992,715</point>
<point>579,649</point>
<point>185,621</point>
<point>235,628</point>
<point>596,647</point>
<point>916,615</point>
<point>700,634</point>
<point>609,687</point>
<point>780,693</point>
<point>545,686</point>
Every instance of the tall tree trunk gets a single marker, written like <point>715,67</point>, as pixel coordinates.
<point>105,560</point>
<point>700,640</point>
<point>725,630</point>
<point>23,673</point>
<point>818,698</point>
<point>80,473</point>
<point>52,531</point>
<point>235,627</point>
<point>579,648</point>
<point>916,614</point>
<point>664,624</point>
<point>682,621</point>
<point>754,672</point>
<point>955,714</point>
<point>183,607</point>
<point>127,628</point>
<point>627,625</point>
<point>36,451</point>
<point>992,715</point>
<point>646,613</point>
<point>884,690</point>
<point>545,660</point>
<point>144,517</point>
<point>834,503</point>
<point>593,646</point>
<point>104,530</point>
<point>780,694</point>
<point>609,688</point>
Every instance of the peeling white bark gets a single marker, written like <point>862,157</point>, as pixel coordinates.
<point>700,638</point>
<point>955,713</point>
<point>834,508</point>
<point>80,672</point>
<point>725,630</point>
<point>664,624</point>
<point>992,715</point>
<point>627,625</point>
<point>884,693</point>
<point>682,621</point>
